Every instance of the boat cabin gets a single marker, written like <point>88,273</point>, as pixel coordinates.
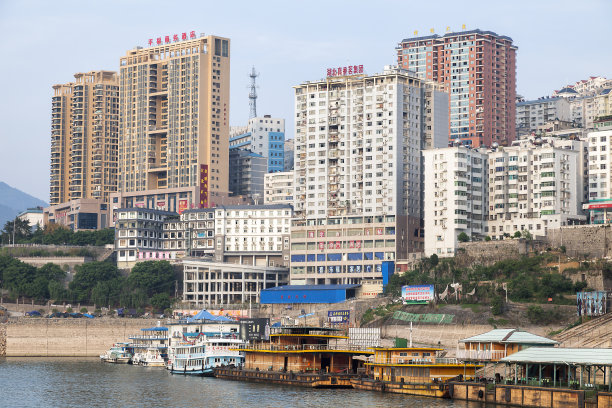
<point>306,349</point>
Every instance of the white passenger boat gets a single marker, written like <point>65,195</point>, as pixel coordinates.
<point>199,357</point>
<point>120,353</point>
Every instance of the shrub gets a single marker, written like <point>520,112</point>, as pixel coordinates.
<point>83,310</point>
<point>538,315</point>
<point>69,310</point>
<point>463,237</point>
<point>497,305</point>
<point>487,238</point>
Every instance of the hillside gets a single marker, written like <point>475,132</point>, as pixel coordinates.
<point>13,201</point>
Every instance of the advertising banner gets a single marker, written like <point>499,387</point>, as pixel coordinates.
<point>204,186</point>
<point>338,316</point>
<point>591,303</point>
<point>255,329</point>
<point>183,205</point>
<point>418,294</point>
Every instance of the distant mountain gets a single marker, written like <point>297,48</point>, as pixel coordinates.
<point>14,201</point>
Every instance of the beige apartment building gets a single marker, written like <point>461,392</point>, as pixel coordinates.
<point>84,132</point>
<point>174,123</point>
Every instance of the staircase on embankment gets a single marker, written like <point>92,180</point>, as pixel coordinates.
<point>596,333</point>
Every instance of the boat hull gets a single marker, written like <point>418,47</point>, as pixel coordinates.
<point>286,378</point>
<point>419,389</point>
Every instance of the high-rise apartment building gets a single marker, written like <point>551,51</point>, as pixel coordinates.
<point>358,172</point>
<point>534,188</point>
<point>278,188</point>
<point>478,69</point>
<point>530,115</point>
<point>84,132</point>
<point>457,196</point>
<point>174,123</point>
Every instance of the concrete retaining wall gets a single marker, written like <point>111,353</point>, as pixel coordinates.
<point>67,337</point>
<point>489,252</point>
<point>2,339</point>
<point>591,240</point>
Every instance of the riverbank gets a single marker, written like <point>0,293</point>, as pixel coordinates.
<point>39,337</point>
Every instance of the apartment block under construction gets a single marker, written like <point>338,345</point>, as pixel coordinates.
<point>358,172</point>
<point>84,132</point>
<point>174,124</point>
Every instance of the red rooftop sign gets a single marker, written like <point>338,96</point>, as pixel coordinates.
<point>168,39</point>
<point>350,70</point>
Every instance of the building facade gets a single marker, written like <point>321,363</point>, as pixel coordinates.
<point>533,188</point>
<point>84,132</point>
<point>174,118</point>
<point>264,136</point>
<point>358,172</point>
<point>600,176</point>
<point>478,68</point>
<point>207,283</point>
<point>530,115</point>
<point>77,215</point>
<point>247,234</point>
<point>139,236</point>
<point>278,188</point>
<point>246,175</point>
<point>456,197</point>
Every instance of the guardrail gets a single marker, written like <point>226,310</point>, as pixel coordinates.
<point>302,347</point>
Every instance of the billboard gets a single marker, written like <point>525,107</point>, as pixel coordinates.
<point>255,329</point>
<point>203,186</point>
<point>417,294</point>
<point>338,316</point>
<point>591,303</point>
<point>183,205</point>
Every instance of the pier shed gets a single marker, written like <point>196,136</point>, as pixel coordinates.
<point>562,367</point>
<point>308,294</point>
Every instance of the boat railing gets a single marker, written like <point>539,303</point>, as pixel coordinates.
<point>301,347</point>
<point>137,337</point>
<point>481,355</point>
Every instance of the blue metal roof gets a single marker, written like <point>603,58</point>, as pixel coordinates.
<point>314,287</point>
<point>155,329</point>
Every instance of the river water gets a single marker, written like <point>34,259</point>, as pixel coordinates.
<point>71,382</point>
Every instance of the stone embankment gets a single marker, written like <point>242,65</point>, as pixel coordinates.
<point>2,339</point>
<point>41,337</point>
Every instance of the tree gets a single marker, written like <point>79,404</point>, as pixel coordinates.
<point>87,277</point>
<point>161,301</point>
<point>21,229</point>
<point>52,272</point>
<point>152,277</point>
<point>527,235</point>
<point>517,234</point>
<point>487,238</point>
<point>463,237</point>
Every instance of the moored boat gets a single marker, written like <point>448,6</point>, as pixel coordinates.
<point>120,353</point>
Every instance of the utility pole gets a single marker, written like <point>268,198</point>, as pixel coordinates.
<point>14,224</point>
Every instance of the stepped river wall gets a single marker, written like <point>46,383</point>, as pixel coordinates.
<point>32,337</point>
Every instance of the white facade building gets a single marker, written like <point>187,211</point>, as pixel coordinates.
<point>278,188</point>
<point>532,114</point>
<point>533,188</point>
<point>456,197</point>
<point>209,283</point>
<point>265,136</point>
<point>358,172</point>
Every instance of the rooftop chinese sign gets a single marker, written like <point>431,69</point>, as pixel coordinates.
<point>167,39</point>
<point>341,71</point>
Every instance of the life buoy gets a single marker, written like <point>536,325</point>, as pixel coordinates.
<point>480,394</point>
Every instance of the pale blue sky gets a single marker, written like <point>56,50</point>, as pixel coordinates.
<point>45,42</point>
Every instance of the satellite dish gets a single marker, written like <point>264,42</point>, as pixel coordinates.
<point>495,145</point>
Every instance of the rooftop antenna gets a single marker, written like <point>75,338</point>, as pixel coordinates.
<point>253,94</point>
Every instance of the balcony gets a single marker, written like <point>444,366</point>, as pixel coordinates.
<point>481,355</point>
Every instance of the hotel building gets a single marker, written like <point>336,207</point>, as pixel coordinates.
<point>456,197</point>
<point>478,69</point>
<point>84,132</point>
<point>174,123</point>
<point>358,172</point>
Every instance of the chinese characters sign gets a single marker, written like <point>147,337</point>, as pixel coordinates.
<point>167,39</point>
<point>341,71</point>
<point>418,294</point>
<point>204,186</point>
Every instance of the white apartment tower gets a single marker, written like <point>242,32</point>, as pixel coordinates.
<point>533,188</point>
<point>456,197</point>
<point>358,172</point>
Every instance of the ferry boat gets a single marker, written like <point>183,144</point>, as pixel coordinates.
<point>150,347</point>
<point>314,357</point>
<point>419,371</point>
<point>120,353</point>
<point>201,356</point>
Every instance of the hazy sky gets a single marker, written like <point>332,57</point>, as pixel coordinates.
<point>45,42</point>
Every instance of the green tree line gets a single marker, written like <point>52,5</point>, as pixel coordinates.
<point>100,283</point>
<point>53,234</point>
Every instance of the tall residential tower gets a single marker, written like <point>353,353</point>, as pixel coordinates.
<point>174,123</point>
<point>84,131</point>
<point>478,69</point>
